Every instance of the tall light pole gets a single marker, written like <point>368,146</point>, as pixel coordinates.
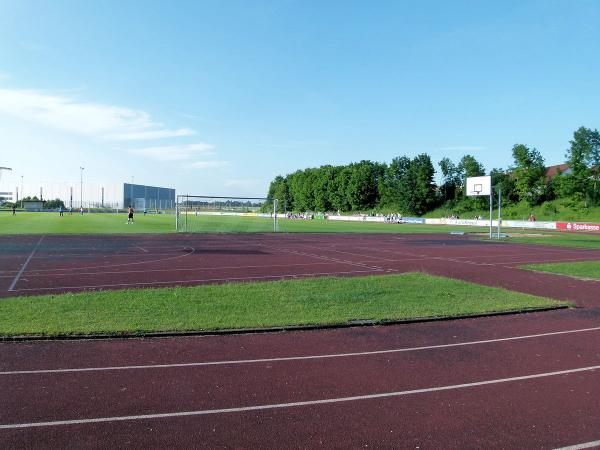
<point>22,193</point>
<point>81,187</point>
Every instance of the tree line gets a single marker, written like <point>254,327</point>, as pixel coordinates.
<point>407,185</point>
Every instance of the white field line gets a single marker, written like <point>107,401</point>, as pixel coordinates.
<point>24,266</point>
<point>325,258</point>
<point>581,446</point>
<point>543,261</point>
<point>205,412</point>
<point>302,358</point>
<point>191,250</point>
<point>174,270</point>
<point>174,282</point>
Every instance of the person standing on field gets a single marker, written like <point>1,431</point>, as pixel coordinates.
<point>14,209</point>
<point>129,215</point>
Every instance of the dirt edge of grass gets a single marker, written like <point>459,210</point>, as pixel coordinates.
<point>277,329</point>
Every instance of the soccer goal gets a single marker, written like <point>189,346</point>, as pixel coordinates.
<point>201,213</point>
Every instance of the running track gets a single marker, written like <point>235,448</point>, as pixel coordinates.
<point>523,381</point>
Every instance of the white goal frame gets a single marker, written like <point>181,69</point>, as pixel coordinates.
<point>181,223</point>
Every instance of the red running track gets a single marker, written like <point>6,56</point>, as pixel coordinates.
<point>525,381</point>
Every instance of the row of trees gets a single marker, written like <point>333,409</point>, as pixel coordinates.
<point>49,204</point>
<point>407,184</point>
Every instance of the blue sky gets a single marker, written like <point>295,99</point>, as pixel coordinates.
<point>218,97</point>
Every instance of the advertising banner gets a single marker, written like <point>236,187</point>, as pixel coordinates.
<point>412,220</point>
<point>577,226</point>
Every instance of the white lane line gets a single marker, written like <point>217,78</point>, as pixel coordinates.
<point>325,258</point>
<point>543,261</point>
<point>299,358</point>
<point>204,412</point>
<point>581,446</point>
<point>176,282</point>
<point>15,281</point>
<point>142,249</point>
<point>191,269</point>
<point>190,250</point>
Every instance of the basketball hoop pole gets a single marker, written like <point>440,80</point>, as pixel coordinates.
<point>491,210</point>
<point>499,209</point>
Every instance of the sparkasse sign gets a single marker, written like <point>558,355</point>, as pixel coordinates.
<point>577,226</point>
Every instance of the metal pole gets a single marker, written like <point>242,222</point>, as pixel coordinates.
<point>275,207</point>
<point>491,210</point>
<point>81,187</point>
<point>22,191</point>
<point>499,209</point>
<point>177,215</point>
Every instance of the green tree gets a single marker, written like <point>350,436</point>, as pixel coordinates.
<point>529,174</point>
<point>54,204</point>
<point>451,180</point>
<point>584,161</point>
<point>362,189</point>
<point>278,189</point>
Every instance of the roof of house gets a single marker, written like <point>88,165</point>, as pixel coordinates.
<point>552,171</point>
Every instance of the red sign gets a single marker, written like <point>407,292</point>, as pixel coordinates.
<point>577,226</point>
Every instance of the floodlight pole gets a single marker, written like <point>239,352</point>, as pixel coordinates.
<point>81,187</point>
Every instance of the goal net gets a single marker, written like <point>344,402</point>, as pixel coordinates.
<point>200,213</point>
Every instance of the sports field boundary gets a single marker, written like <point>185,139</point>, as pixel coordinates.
<point>277,329</point>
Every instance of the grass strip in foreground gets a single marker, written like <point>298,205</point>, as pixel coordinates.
<point>263,304</point>
<point>581,269</point>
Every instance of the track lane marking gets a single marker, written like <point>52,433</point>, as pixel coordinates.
<point>205,412</point>
<point>591,444</point>
<point>182,269</point>
<point>299,358</point>
<point>24,266</point>
<point>176,282</point>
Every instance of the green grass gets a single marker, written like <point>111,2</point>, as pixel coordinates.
<point>557,238</point>
<point>582,269</point>
<point>264,304</point>
<point>106,223</point>
<point>560,210</point>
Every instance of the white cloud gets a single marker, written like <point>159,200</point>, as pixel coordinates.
<point>174,152</point>
<point>84,118</point>
<point>187,155</point>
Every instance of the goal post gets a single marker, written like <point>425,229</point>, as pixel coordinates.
<point>218,214</point>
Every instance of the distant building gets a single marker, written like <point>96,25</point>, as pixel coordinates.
<point>562,169</point>
<point>6,197</point>
<point>148,197</point>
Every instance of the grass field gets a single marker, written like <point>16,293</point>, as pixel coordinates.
<point>105,223</point>
<point>558,238</point>
<point>52,223</point>
<point>582,269</point>
<point>264,304</point>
